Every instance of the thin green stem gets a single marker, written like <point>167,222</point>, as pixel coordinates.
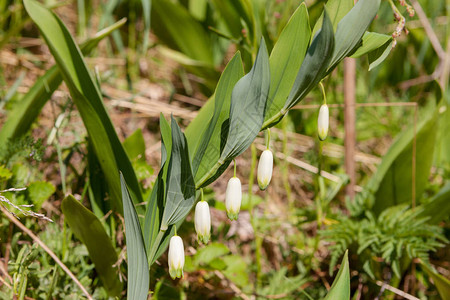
<point>175,226</point>
<point>258,240</point>
<point>154,247</point>
<point>268,139</point>
<point>323,93</point>
<point>201,194</point>
<point>234,163</point>
<point>209,174</point>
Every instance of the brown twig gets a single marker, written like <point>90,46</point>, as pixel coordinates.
<point>350,123</point>
<point>46,249</point>
<point>396,291</point>
<point>442,69</point>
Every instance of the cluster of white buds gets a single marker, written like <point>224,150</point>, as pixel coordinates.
<point>322,122</point>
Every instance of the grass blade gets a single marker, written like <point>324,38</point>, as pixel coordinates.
<point>340,289</point>
<point>88,228</point>
<point>22,116</point>
<point>88,100</point>
<point>138,271</point>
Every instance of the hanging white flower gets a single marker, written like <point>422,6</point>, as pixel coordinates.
<point>202,221</point>
<point>176,257</point>
<point>265,167</point>
<point>233,198</point>
<point>322,122</point>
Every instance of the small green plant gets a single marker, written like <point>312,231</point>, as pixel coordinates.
<point>385,241</point>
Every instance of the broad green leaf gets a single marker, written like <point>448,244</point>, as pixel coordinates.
<point>248,102</point>
<point>438,208</point>
<point>138,270</point>
<point>443,153</point>
<point>391,184</point>
<point>237,15</point>
<point>370,42</point>
<point>146,11</point>
<point>314,65</point>
<point>286,58</point>
<point>351,29</point>
<point>27,110</point>
<point>98,188</point>
<point>207,254</point>
<point>196,128</point>
<point>88,228</point>
<point>377,56</point>
<point>336,10</point>
<point>186,35</point>
<point>340,289</point>
<point>213,139</point>
<point>5,174</point>
<point>180,186</point>
<point>442,283</point>
<point>88,100</point>
<point>197,9</point>
<point>155,203</point>
<point>135,145</point>
<point>39,192</point>
<point>237,270</point>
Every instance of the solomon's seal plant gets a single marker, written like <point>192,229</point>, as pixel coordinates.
<point>242,106</point>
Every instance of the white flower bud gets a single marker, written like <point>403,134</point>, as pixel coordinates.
<point>322,122</point>
<point>233,198</point>
<point>202,222</point>
<point>176,257</point>
<point>265,167</point>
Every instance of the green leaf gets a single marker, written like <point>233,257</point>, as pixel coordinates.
<point>391,184</point>
<point>180,182</point>
<point>437,209</point>
<point>197,8</point>
<point>135,145</point>
<point>88,228</point>
<point>285,60</point>
<point>236,15</point>
<point>185,35</point>
<point>336,9</point>
<point>442,283</point>
<point>88,100</point>
<point>370,42</point>
<point>27,110</point>
<point>207,254</point>
<point>237,270</point>
<point>377,56</point>
<point>314,65</point>
<point>146,11</point>
<point>155,204</point>
<point>212,140</point>
<point>341,284</point>
<point>39,192</point>
<point>138,270</point>
<point>5,174</point>
<point>351,29</point>
<point>248,102</point>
